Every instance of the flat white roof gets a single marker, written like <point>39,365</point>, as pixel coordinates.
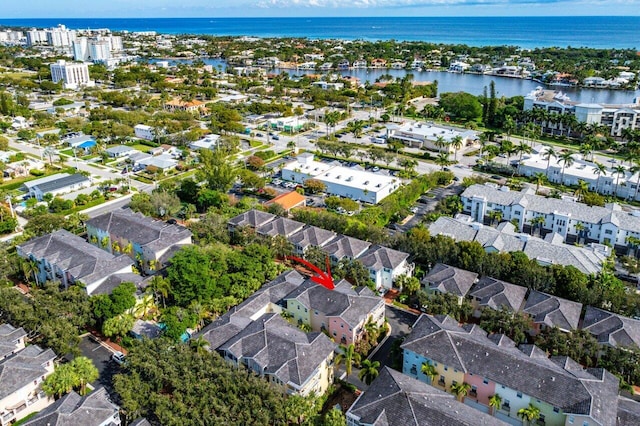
<point>431,132</point>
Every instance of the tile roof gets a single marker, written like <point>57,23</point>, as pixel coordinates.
<point>280,349</point>
<point>9,338</point>
<point>280,226</point>
<point>312,236</point>
<point>24,367</point>
<point>345,246</point>
<point>448,279</point>
<point>252,218</point>
<point>498,294</point>
<point>552,311</point>
<point>288,200</point>
<point>95,409</point>
<point>394,399</point>
<point>84,261</point>
<point>560,381</point>
<point>155,235</point>
<point>378,257</point>
<point>611,329</point>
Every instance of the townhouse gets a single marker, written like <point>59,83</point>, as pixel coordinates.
<point>151,243</point>
<point>94,409</point>
<point>563,391</point>
<point>66,258</point>
<point>496,294</point>
<point>547,311</point>
<point>447,279</point>
<point>608,225</point>
<point>342,312</point>
<point>395,399</point>
<point>611,329</point>
<point>22,371</point>
<point>384,264</point>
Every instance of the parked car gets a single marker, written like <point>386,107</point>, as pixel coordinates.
<point>375,169</point>
<point>259,135</point>
<point>118,357</point>
<point>275,137</point>
<point>413,210</point>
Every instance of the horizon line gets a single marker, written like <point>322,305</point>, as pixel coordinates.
<point>329,16</point>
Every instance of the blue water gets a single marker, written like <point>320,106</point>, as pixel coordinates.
<point>527,32</point>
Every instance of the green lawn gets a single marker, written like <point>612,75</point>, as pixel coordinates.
<point>140,147</point>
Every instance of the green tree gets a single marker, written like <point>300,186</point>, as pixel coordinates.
<point>60,382</point>
<point>369,370</point>
<point>348,356</point>
<point>460,390</point>
<point>216,170</point>
<point>495,402</point>
<point>118,326</point>
<point>463,106</point>
<point>529,414</point>
<point>85,372</point>
<point>429,370</point>
<point>193,276</point>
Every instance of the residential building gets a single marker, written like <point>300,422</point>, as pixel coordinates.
<point>385,265</point>
<point>547,311</point>
<point>120,151</point>
<point>64,257</point>
<point>21,376</point>
<point>548,251</point>
<point>616,118</point>
<point>346,182</point>
<point>310,236</point>
<point>496,294</point>
<point>342,312</point>
<point>563,391</point>
<point>288,200</point>
<point>395,399</point>
<point>345,247</point>
<point>83,142</point>
<point>252,219</point>
<point>162,162</point>
<point>149,242</point>
<point>447,279</point>
<point>73,75</point>
<point>611,329</point>
<point>194,106</point>
<point>609,225</point>
<point>280,226</point>
<point>609,180</point>
<point>94,409</point>
<point>145,132</point>
<point>11,340</point>
<point>430,136</point>
<point>628,412</point>
<point>60,183</point>
<point>207,142</point>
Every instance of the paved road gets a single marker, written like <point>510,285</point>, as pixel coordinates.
<point>101,358</point>
<point>401,323</point>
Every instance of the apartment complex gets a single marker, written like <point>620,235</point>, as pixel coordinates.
<point>73,75</point>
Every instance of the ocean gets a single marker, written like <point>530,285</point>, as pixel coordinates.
<point>526,32</point>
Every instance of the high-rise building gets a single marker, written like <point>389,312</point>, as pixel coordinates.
<point>81,49</point>
<point>36,37</point>
<point>60,36</point>
<point>99,51</point>
<point>74,75</point>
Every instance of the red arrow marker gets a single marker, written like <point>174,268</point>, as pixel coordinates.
<point>323,278</point>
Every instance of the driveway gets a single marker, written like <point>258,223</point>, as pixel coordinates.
<point>101,358</point>
<point>400,322</point>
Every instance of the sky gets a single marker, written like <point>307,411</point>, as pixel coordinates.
<point>310,8</point>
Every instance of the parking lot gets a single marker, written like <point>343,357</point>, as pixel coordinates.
<point>101,358</point>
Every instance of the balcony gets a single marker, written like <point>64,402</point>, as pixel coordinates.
<point>6,418</point>
<point>441,382</point>
<point>473,393</point>
<point>506,407</point>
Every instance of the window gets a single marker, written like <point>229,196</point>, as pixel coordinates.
<point>585,423</point>
<point>517,213</point>
<point>446,368</point>
<point>608,232</point>
<point>556,410</point>
<point>571,420</point>
<point>485,381</point>
<point>519,394</point>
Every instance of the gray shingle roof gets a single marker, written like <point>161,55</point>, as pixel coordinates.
<point>498,294</point>
<point>71,253</point>
<point>395,399</point>
<point>552,311</point>
<point>280,349</point>
<point>9,338</point>
<point>280,226</point>
<point>448,279</point>
<point>252,218</point>
<point>345,246</point>
<point>611,329</point>
<point>378,257</point>
<point>560,382</point>
<point>628,412</point>
<point>155,235</point>
<point>73,410</point>
<point>24,367</point>
<point>312,236</point>
<point>113,281</point>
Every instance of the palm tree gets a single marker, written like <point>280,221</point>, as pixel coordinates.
<point>579,229</point>
<point>495,215</point>
<point>633,244</point>
<point>618,171</point>
<point>537,221</point>
<point>548,153</point>
<point>85,371</point>
<point>199,345</point>
<point>600,170</point>
<point>529,414</point>
<point>539,178</point>
<point>586,150</point>
<point>161,287</point>
<point>567,160</point>
<point>368,371</point>
<point>461,390</point>
<point>523,149</point>
<point>442,160</point>
<point>581,190</point>
<point>430,371</point>
<point>495,402</point>
<point>456,143</point>
<point>636,169</point>
<point>349,356</point>
<point>440,143</point>
<point>356,127</point>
